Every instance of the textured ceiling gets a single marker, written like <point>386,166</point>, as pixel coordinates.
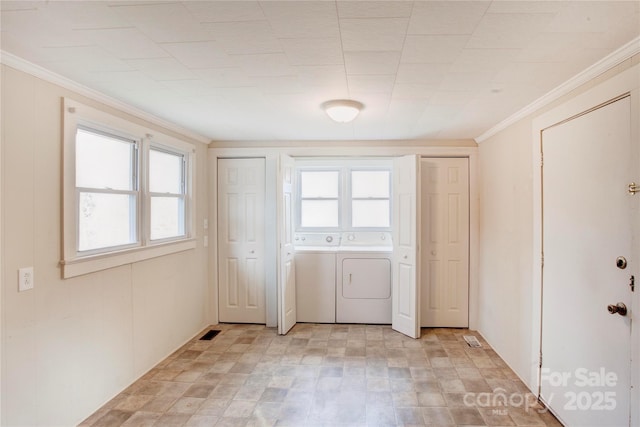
<point>245,70</point>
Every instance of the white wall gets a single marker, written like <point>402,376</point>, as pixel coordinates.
<point>68,346</point>
<point>508,299</point>
<point>505,245</point>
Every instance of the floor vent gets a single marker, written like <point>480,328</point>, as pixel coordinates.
<point>210,335</point>
<point>472,341</point>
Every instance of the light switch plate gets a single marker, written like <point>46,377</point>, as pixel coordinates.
<point>25,279</point>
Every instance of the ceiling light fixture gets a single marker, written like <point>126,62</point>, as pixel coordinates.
<point>342,110</point>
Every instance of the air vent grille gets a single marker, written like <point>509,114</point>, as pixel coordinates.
<point>210,335</point>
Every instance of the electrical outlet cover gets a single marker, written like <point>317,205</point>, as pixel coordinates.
<point>25,279</point>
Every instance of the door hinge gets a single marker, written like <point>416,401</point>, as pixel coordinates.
<point>632,283</point>
<point>540,361</point>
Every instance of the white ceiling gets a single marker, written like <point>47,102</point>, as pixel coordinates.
<point>242,70</point>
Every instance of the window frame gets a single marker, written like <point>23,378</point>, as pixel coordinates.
<point>135,181</point>
<point>299,197</point>
<point>345,167</point>
<point>349,214</point>
<point>153,145</point>
<point>74,262</point>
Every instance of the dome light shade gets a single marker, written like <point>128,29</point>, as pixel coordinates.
<point>342,110</point>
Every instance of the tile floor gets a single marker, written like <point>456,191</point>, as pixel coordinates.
<point>360,375</point>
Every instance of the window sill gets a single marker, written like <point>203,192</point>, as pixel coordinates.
<point>90,264</point>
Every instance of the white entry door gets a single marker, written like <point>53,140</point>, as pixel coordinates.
<point>444,278</point>
<point>405,293</point>
<point>286,265</point>
<point>241,241</point>
<point>587,225</point>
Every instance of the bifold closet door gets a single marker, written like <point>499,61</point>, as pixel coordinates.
<point>445,242</point>
<point>241,240</point>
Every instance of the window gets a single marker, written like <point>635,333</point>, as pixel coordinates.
<point>167,193</point>
<point>370,203</point>
<point>107,190</point>
<point>319,199</point>
<point>344,195</point>
<point>127,193</point>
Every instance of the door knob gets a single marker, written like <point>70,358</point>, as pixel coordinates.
<point>619,308</point>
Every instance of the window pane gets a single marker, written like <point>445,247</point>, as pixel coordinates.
<point>106,220</point>
<point>318,184</point>
<point>370,213</point>
<point>167,217</point>
<point>165,172</point>
<point>319,213</point>
<point>103,161</point>
<point>369,184</point>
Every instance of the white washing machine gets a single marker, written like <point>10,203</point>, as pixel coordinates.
<point>363,273</point>
<point>316,277</point>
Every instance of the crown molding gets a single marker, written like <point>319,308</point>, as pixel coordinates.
<point>608,62</point>
<point>25,66</point>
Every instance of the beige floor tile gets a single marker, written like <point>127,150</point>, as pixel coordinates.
<point>113,417</point>
<point>476,385</point>
<point>431,399</point>
<point>186,405</point>
<point>405,399</point>
<point>213,407</point>
<point>239,409</point>
<point>523,417</point>
<point>134,402</point>
<point>354,383</point>
<point>469,373</point>
<point>496,417</point>
<point>401,384</point>
<point>142,419</point>
<point>172,420</point>
<point>452,385</point>
<point>199,390</point>
<point>437,416</point>
<point>467,416</point>
<point>429,385</point>
<point>249,392</point>
<point>201,421</point>
<point>159,404</point>
<point>409,416</point>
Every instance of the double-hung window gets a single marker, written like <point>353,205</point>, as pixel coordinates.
<point>107,193</point>
<point>128,194</point>
<point>370,199</point>
<point>319,199</point>
<point>167,193</point>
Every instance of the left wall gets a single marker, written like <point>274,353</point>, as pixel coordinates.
<point>68,346</point>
